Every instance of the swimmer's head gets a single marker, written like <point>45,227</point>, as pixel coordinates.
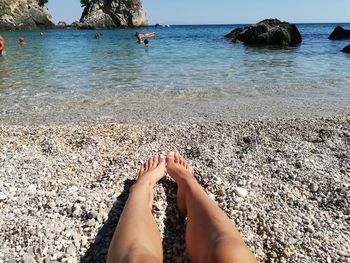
<point>146,42</point>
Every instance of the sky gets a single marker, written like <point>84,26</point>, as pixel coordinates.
<point>223,11</point>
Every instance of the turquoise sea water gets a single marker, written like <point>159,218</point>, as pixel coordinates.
<point>70,70</point>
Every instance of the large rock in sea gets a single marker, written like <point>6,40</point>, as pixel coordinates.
<point>267,32</point>
<point>346,49</point>
<point>113,14</point>
<point>24,14</point>
<point>339,33</point>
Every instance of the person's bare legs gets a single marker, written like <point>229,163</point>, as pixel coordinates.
<point>210,235</point>
<point>136,238</point>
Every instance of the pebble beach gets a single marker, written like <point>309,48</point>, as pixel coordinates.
<point>285,183</point>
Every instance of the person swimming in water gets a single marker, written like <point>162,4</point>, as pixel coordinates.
<point>98,35</point>
<point>2,46</point>
<point>140,36</point>
<point>146,43</point>
<point>22,41</point>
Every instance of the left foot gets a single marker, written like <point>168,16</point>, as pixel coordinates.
<point>150,173</point>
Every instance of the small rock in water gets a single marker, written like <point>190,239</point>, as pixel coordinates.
<point>313,187</point>
<point>241,192</point>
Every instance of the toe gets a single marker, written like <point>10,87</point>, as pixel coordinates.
<point>142,169</point>
<point>182,161</point>
<point>155,161</point>
<point>145,165</point>
<point>150,163</point>
<point>170,157</point>
<point>161,159</point>
<point>177,158</point>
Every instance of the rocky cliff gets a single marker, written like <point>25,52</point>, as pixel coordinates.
<point>24,14</point>
<point>33,14</point>
<point>113,13</point>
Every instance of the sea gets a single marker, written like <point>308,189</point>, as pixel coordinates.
<point>70,75</point>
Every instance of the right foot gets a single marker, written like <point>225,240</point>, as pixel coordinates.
<point>181,171</point>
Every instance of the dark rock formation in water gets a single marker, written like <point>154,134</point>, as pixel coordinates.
<point>267,32</point>
<point>24,14</point>
<point>346,49</point>
<point>113,13</point>
<point>339,33</point>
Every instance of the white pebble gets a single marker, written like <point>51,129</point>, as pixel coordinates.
<point>32,189</point>
<point>241,192</point>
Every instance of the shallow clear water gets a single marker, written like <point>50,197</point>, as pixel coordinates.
<point>69,69</point>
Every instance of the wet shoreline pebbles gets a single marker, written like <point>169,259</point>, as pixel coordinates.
<point>284,183</point>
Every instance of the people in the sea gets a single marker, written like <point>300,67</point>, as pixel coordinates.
<point>42,34</point>
<point>2,46</point>
<point>22,41</point>
<point>140,36</point>
<point>210,235</point>
<point>146,43</point>
<point>98,35</point>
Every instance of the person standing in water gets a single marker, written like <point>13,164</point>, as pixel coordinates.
<point>210,235</point>
<point>22,41</point>
<point>2,46</point>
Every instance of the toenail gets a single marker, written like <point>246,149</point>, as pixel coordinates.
<point>171,153</point>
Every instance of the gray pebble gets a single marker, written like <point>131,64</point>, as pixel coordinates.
<point>313,187</point>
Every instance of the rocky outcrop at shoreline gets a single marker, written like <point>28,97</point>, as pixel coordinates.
<point>24,14</point>
<point>267,32</point>
<point>34,14</point>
